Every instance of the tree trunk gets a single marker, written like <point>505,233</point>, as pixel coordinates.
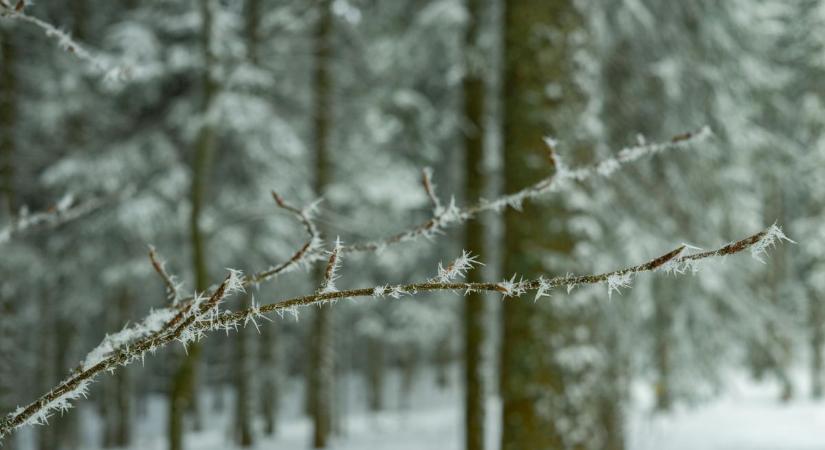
<point>375,373</point>
<point>270,378</point>
<point>321,352</point>
<point>183,395</point>
<point>8,310</point>
<point>816,315</point>
<point>268,340</point>
<point>441,361</point>
<point>244,385</point>
<point>663,319</point>
<point>474,174</point>
<point>409,361</point>
<point>46,436</point>
<point>8,119</point>
<point>117,389</point>
<point>533,386</point>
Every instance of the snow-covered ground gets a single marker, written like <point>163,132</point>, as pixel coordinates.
<point>747,417</point>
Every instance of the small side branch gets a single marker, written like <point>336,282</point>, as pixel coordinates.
<point>331,272</point>
<point>63,39</point>
<point>172,294</point>
<point>308,252</point>
<point>67,209</point>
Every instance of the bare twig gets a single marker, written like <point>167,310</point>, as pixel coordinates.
<point>331,272</point>
<point>308,252</point>
<point>65,210</point>
<point>429,188</point>
<point>172,294</point>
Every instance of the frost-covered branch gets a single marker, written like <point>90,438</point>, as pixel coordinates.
<point>64,41</point>
<point>155,331</point>
<point>429,188</point>
<point>188,322</point>
<point>677,261</point>
<point>309,252</point>
<point>65,210</point>
<point>331,272</point>
<point>172,287</point>
<point>451,215</point>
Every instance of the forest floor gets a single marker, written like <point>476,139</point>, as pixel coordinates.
<point>747,416</point>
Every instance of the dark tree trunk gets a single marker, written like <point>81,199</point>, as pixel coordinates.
<point>816,316</point>
<point>270,377</point>
<point>375,373</point>
<point>183,394</point>
<point>532,384</point>
<point>662,353</point>
<point>244,385</point>
<point>117,389</point>
<point>8,311</point>
<point>321,353</point>
<point>8,119</point>
<point>474,307</point>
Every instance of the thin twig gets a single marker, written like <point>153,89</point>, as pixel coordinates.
<point>64,211</point>
<point>453,215</point>
<point>172,294</point>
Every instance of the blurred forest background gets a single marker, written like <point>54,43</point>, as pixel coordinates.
<point>176,118</point>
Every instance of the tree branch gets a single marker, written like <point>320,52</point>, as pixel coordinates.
<point>452,215</point>
<point>65,210</point>
<point>189,323</point>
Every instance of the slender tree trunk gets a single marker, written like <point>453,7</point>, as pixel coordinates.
<point>8,119</point>
<point>474,173</point>
<point>46,436</point>
<point>375,373</point>
<point>409,362</point>
<point>270,378</point>
<point>441,360</point>
<point>816,316</point>
<point>781,346</point>
<point>532,384</point>
<point>244,386</point>
<point>614,397</point>
<point>183,393</point>
<point>66,426</point>
<point>321,353</point>
<point>662,355</point>
<point>8,311</point>
<point>117,389</point>
<point>268,340</point>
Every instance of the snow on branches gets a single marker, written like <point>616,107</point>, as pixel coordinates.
<point>458,268</point>
<point>172,286</point>
<point>308,253</point>
<point>66,209</point>
<point>64,41</point>
<point>450,215</point>
<point>189,320</point>
<point>186,320</point>
<point>331,272</point>
<point>184,323</point>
